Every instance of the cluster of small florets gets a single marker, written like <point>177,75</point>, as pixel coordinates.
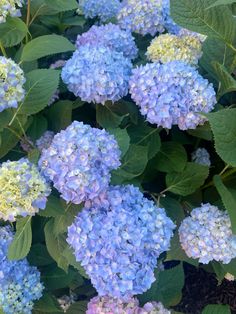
<point>206,235</point>
<point>106,304</point>
<point>102,9</point>
<point>186,32</point>
<point>45,140</point>
<point>97,74</point>
<point>117,238</point>
<point>142,16</point>
<point>79,161</point>
<point>19,282</point>
<point>173,93</point>
<point>9,8</point>
<point>202,157</point>
<point>11,84</point>
<point>111,36</point>
<point>169,24</point>
<point>167,47</point>
<point>66,301</point>
<point>23,190</point>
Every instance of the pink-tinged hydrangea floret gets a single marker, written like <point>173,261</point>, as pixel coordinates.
<point>97,74</point>
<point>45,140</point>
<point>202,157</point>
<point>23,190</point>
<point>117,238</point>
<point>103,9</point>
<point>142,16</point>
<point>79,161</point>
<point>10,8</point>
<point>112,36</point>
<point>207,235</point>
<point>173,93</point>
<point>11,84</point>
<point>20,283</point>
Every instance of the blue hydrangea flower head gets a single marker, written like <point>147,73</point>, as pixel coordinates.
<point>102,9</point>
<point>169,24</point>
<point>11,84</point>
<point>142,16</point>
<point>79,161</point>
<point>112,36</point>
<point>207,235</point>
<point>45,140</point>
<point>97,74</point>
<point>23,189</point>
<point>202,157</point>
<point>20,283</point>
<point>117,238</point>
<point>10,8</point>
<point>173,93</point>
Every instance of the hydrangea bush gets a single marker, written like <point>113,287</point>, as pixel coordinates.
<point>117,156</point>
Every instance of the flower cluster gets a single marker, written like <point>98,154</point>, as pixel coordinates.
<point>112,36</point>
<point>169,24</point>
<point>19,282</point>
<point>117,238</point>
<point>45,140</point>
<point>66,301</point>
<point>106,304</point>
<point>79,161</point>
<point>173,93</point>
<point>167,47</point>
<point>9,8</point>
<point>23,190</point>
<point>142,16</point>
<point>207,235</point>
<point>11,84</point>
<point>103,9</point>
<point>202,157</point>
<point>186,32</point>
<point>97,74</point>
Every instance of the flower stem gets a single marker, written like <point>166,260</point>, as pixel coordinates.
<point>3,50</point>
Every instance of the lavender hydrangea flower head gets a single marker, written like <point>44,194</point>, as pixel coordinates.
<point>10,8</point>
<point>167,47</point>
<point>102,9</point>
<point>20,283</point>
<point>106,304</point>
<point>202,157</point>
<point>11,84</point>
<point>97,74</point>
<point>154,308</point>
<point>23,190</point>
<point>45,140</point>
<point>117,238</point>
<point>173,93</point>
<point>207,235</point>
<point>112,36</point>
<point>79,161</point>
<point>142,16</point>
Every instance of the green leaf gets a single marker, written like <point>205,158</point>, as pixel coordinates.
<point>34,155</point>
<point>133,163</point>
<point>60,115</point>
<point>53,208</point>
<point>222,2</point>
<point>216,309</point>
<point>202,131</point>
<point>21,243</point>
<point>173,209</point>
<point>5,118</point>
<point>55,278</point>
<point>69,255</point>
<point>167,288</point>
<point>214,22</point>
<point>223,125</point>
<point>38,127</point>
<point>231,267</point>
<point>44,46</point>
<point>172,157</point>
<point>62,5</point>
<point>227,83</point>
<point>143,135</point>
<point>107,118</point>
<point>12,32</point>
<point>229,200</point>
<point>39,256</point>
<point>78,308</point>
<point>122,138</point>
<point>56,245</point>
<point>187,181</point>
<point>47,304</point>
<point>219,270</point>
<point>40,86</point>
